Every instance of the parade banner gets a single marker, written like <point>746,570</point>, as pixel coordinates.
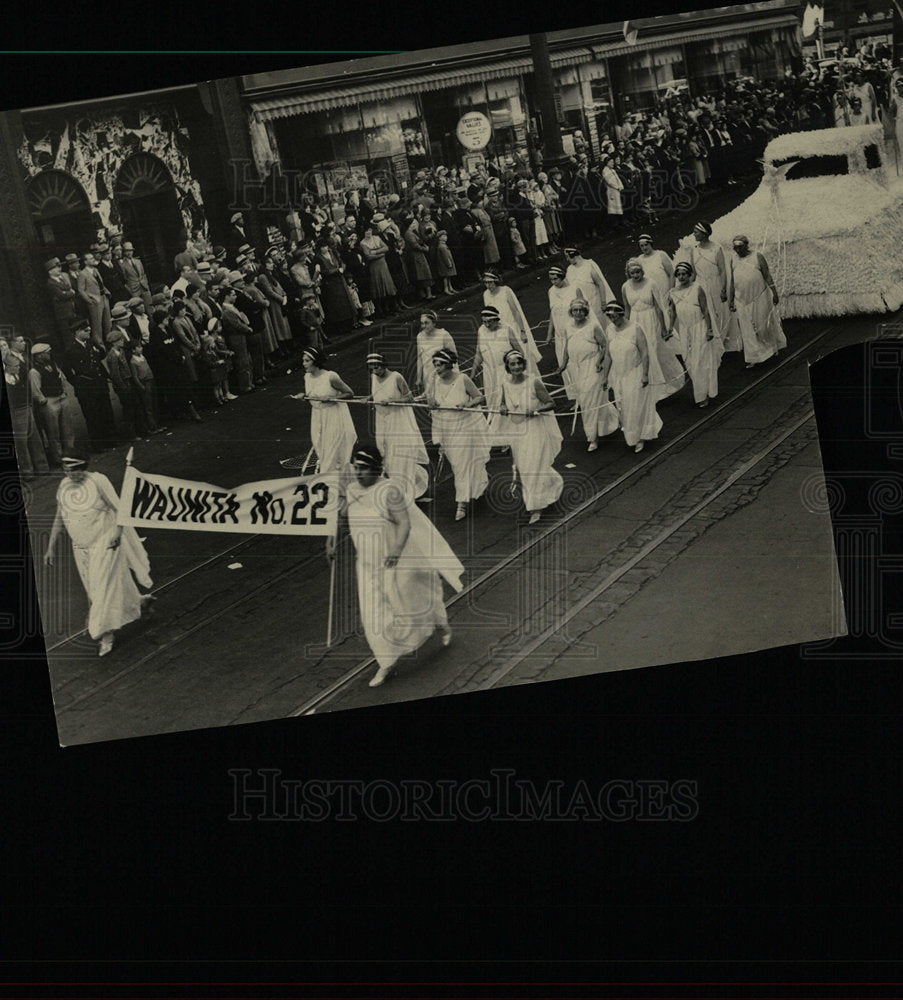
<point>305,505</point>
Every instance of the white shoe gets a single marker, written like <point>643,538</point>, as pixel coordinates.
<point>639,447</point>
<point>230,396</point>
<point>446,637</point>
<point>534,517</point>
<point>366,322</point>
<point>593,446</point>
<point>461,512</point>
<point>106,644</point>
<point>380,677</point>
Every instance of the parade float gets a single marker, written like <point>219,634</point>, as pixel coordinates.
<point>828,217</point>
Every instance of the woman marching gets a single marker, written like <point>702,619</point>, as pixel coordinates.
<point>494,340</point>
<point>626,371</point>
<point>512,315</point>
<point>106,554</point>
<point>463,436</point>
<point>585,348</point>
<point>400,559</point>
<point>529,425</point>
<point>753,299</point>
<point>711,272</point>
<point>642,304</point>
<point>397,434</point>
<point>690,320</point>
<point>430,339</point>
<point>332,430</point>
<point>561,294</point>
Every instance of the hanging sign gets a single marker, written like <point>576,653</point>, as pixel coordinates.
<point>474,130</point>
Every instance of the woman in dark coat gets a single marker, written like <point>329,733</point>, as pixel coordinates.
<point>334,293</point>
<point>164,354</point>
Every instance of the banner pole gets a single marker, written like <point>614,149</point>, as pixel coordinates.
<point>335,556</point>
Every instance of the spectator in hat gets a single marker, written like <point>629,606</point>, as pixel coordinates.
<point>144,390</point>
<point>112,276</point>
<point>252,308</point>
<point>94,294</point>
<point>415,258</point>
<point>337,307</point>
<point>121,317</point>
<point>236,236</point>
<point>312,322</point>
<point>84,367</point>
<point>236,331</point>
<point>133,275</point>
<point>27,437</point>
<point>199,311</point>
<point>62,298</point>
<point>382,287</point>
<point>277,302</point>
<point>139,326</point>
<point>187,337</point>
<point>71,268</point>
<point>120,371</point>
<point>268,343</point>
<point>48,394</point>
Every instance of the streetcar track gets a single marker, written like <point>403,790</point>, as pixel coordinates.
<point>534,644</point>
<point>346,679</point>
<point>324,697</point>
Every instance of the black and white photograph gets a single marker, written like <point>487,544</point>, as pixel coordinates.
<point>400,376</point>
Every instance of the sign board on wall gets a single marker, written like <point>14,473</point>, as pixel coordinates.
<point>474,130</point>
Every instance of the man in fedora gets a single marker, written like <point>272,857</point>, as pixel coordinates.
<point>62,297</point>
<point>93,293</point>
<point>121,376</point>
<point>121,316</point>
<point>236,236</point>
<point>48,395</point>
<point>112,276</point>
<point>134,275</point>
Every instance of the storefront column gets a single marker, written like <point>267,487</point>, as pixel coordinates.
<point>246,189</point>
<point>24,302</point>
<point>589,111</point>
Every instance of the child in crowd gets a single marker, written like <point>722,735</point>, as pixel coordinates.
<point>145,390</point>
<point>312,322</point>
<point>517,243</point>
<point>216,357</point>
<point>445,263</point>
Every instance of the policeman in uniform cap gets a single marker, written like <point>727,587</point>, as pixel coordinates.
<point>83,364</point>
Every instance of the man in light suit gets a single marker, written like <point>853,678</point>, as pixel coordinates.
<point>94,294</point>
<point>134,275</point>
<point>62,297</point>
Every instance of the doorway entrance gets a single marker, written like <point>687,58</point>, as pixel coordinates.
<point>150,216</point>
<point>61,213</point>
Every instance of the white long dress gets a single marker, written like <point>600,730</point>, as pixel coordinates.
<point>560,300</point>
<point>705,261</point>
<point>757,315</point>
<point>636,405</point>
<point>332,430</point>
<point>88,510</point>
<point>654,269</point>
<point>512,315</point>
<point>397,435</point>
<point>541,234</point>
<point>598,415</point>
<point>701,355</point>
<point>493,345</point>
<point>402,606</point>
<point>535,443</point>
<point>666,375</point>
<point>464,437</point>
<point>587,275</point>
<point>427,345</point>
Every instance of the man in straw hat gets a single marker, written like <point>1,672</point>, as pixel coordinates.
<point>48,394</point>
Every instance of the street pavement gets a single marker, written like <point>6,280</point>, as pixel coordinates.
<point>238,631</point>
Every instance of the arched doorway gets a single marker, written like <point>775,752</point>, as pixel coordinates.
<point>61,212</point>
<point>149,210</point>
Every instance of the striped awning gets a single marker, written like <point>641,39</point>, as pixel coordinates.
<point>685,37</point>
<point>341,97</point>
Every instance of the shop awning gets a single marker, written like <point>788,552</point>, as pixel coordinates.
<point>685,37</point>
<point>341,97</point>
<point>572,57</point>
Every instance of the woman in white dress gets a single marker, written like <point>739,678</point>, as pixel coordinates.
<point>529,423</point>
<point>584,353</point>
<point>397,434</point>
<point>753,299</point>
<point>400,558</point>
<point>708,261</point>
<point>666,373</point>
<point>614,186</point>
<point>585,274</point>
<point>494,340</point>
<point>626,371</point>
<point>106,554</point>
<point>689,319</point>
<point>501,297</point>
<point>657,267</point>
<point>430,339</point>
<point>561,294</point>
<point>540,233</point>
<point>462,434</point>
<point>332,430</point>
